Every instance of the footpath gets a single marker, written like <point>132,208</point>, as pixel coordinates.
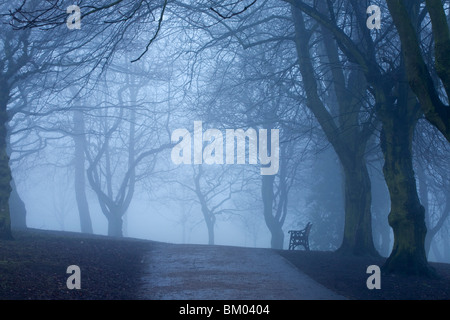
<point>197,272</point>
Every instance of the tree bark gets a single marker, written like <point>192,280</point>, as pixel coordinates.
<point>17,209</point>
<point>407,216</point>
<point>5,170</point>
<point>357,238</point>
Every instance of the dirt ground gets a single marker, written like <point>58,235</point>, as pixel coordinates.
<point>33,267</point>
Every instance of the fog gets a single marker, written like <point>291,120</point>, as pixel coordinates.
<point>222,124</point>
<point>52,206</point>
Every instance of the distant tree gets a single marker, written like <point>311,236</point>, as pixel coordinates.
<point>380,209</point>
<point>61,204</point>
<point>118,146</point>
<point>432,168</point>
<point>324,202</point>
<point>79,162</point>
<point>213,189</point>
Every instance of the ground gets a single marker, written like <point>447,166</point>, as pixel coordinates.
<point>346,275</point>
<point>33,266</point>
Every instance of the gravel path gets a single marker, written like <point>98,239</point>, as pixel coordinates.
<point>184,272</point>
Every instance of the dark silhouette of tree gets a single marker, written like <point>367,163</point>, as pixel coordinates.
<point>418,72</point>
<point>15,65</point>
<point>398,111</point>
<point>214,189</point>
<point>121,148</point>
<point>348,136</point>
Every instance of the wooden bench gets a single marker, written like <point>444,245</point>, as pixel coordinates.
<point>300,237</point>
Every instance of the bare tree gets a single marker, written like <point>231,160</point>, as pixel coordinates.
<point>431,154</point>
<point>348,136</point>
<point>436,111</point>
<point>16,64</point>
<point>398,112</point>
<point>118,146</point>
<point>214,191</point>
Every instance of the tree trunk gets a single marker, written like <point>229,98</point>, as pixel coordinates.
<point>347,140</point>
<point>274,226</point>
<point>437,254</point>
<point>433,230</point>
<point>210,227</point>
<point>277,240</point>
<point>80,171</point>
<point>115,225</point>
<point>407,216</point>
<point>357,238</point>
<point>5,188</point>
<point>5,170</point>
<point>385,244</point>
<point>17,209</point>
<point>446,247</point>
<point>381,206</point>
<point>208,215</point>
<point>423,197</point>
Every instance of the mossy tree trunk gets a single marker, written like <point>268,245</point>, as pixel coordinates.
<point>399,114</point>
<point>407,216</point>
